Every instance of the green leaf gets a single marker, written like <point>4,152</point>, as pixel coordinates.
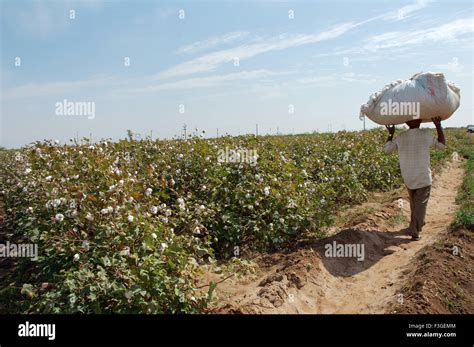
<point>106,261</point>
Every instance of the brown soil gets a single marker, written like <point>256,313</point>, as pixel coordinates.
<point>306,281</point>
<point>442,281</point>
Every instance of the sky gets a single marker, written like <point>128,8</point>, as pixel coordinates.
<point>219,66</point>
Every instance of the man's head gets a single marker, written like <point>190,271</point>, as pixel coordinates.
<point>414,123</point>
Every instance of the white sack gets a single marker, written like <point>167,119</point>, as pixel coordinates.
<point>425,96</point>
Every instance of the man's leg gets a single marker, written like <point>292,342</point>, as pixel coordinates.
<point>420,201</point>
<point>412,227</point>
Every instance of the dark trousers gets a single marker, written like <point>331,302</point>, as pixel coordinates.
<point>418,202</point>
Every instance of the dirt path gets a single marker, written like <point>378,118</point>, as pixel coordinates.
<point>307,281</point>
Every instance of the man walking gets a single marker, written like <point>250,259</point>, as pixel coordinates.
<point>414,154</point>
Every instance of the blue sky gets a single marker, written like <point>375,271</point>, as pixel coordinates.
<point>325,62</point>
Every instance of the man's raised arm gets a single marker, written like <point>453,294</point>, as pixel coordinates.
<point>390,145</point>
<point>439,143</point>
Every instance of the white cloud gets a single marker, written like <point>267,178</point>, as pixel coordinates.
<point>262,85</point>
<point>115,85</point>
<point>31,90</point>
<point>213,42</point>
<point>360,78</point>
<point>447,32</point>
<point>211,61</point>
<point>316,79</point>
<point>405,11</point>
<point>334,78</point>
<point>209,81</point>
<point>452,66</point>
<point>261,91</point>
<point>401,41</point>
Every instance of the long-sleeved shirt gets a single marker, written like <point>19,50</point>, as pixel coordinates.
<point>414,153</point>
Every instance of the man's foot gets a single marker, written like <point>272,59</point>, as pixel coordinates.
<point>416,238</point>
<point>406,231</point>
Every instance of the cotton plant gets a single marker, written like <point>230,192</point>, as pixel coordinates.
<point>119,222</point>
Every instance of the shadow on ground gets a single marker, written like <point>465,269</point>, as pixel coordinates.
<point>373,245</point>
